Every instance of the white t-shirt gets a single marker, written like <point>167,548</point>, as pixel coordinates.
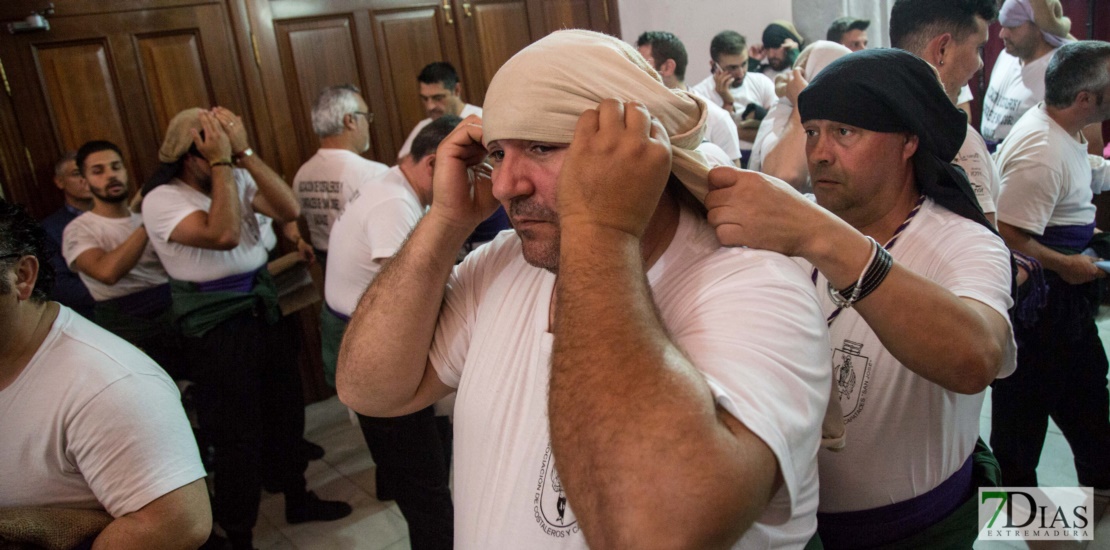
<point>1046,176</point>
<point>96,231</point>
<point>466,111</point>
<point>326,183</point>
<point>371,230</point>
<point>965,95</point>
<point>770,131</point>
<point>905,434</point>
<point>1013,90</point>
<point>756,88</point>
<point>748,319</point>
<point>720,130</point>
<point>168,204</point>
<point>92,423</point>
<point>976,160</point>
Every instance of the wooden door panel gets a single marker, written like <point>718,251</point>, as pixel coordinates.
<point>118,76</point>
<point>315,54</point>
<point>497,30</point>
<point>565,14</point>
<point>96,113</point>
<point>173,70</point>
<point>407,41</point>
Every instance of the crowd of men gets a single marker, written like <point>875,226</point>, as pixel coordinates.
<point>569,318</point>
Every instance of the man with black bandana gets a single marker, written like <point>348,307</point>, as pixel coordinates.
<point>916,286</point>
<point>781,45</point>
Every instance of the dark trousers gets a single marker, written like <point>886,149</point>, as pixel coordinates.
<point>1061,372</point>
<point>251,407</point>
<point>412,456</point>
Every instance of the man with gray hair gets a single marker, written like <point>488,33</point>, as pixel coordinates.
<point>1045,211</point>
<point>332,177</point>
<point>69,290</point>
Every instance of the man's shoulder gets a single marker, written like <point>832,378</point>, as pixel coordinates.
<point>56,222</point>
<point>760,80</point>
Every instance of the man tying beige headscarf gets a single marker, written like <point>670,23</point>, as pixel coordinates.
<point>614,365</point>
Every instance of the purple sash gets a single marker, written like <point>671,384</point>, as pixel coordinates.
<point>1067,236</point>
<point>241,282</point>
<point>894,522</point>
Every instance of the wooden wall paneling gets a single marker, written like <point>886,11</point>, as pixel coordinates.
<point>173,71</point>
<point>105,76</point>
<point>18,9</point>
<point>492,31</point>
<point>314,54</point>
<point>566,14</point>
<point>407,40</point>
<point>15,171</point>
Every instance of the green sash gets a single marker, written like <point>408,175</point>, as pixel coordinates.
<point>331,335</point>
<point>196,312</point>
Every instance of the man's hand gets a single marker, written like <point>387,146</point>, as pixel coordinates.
<point>233,125</point>
<point>795,83</point>
<point>1077,269</point>
<point>615,170</point>
<point>752,209</point>
<point>722,83</point>
<point>757,51</point>
<point>214,146</point>
<point>462,191</point>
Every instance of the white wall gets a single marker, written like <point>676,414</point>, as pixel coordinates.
<point>696,21</point>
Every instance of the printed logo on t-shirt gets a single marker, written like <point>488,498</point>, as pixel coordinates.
<point>549,506</point>
<point>852,375</point>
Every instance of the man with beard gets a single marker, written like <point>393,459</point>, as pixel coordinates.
<point>781,45</point>
<point>1032,30</point>
<point>333,176</point>
<point>614,364</point>
<point>200,212</point>
<point>109,248</point>
<point>732,87</point>
<point>440,94</point>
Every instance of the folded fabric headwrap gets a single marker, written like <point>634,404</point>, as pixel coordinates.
<point>891,90</point>
<point>177,142</point>
<point>778,31</point>
<point>579,70</point>
<point>1048,15</point>
<point>818,55</point>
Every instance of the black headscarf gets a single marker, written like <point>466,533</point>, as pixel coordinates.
<point>891,90</point>
<point>776,33</point>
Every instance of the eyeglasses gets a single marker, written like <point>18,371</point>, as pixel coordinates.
<point>369,116</point>
<point>10,256</point>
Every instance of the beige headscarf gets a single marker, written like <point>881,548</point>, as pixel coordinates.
<point>540,93</point>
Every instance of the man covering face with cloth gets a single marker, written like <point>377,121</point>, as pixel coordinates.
<point>622,379</point>
<point>915,286</point>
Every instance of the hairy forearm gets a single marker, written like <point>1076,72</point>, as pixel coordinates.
<point>385,349</point>
<point>224,216</point>
<point>110,267</point>
<point>278,195</point>
<point>625,406</point>
<point>924,326</point>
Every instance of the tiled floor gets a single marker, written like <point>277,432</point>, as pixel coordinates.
<point>347,473</point>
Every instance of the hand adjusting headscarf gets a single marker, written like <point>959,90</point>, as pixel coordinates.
<point>1047,15</point>
<point>891,90</point>
<point>539,94</point>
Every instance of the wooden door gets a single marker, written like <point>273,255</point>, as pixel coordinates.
<point>491,32</point>
<point>379,47</point>
<point>115,75</point>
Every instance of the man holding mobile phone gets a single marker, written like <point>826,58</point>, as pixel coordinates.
<point>732,87</point>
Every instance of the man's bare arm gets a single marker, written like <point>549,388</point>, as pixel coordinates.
<point>787,159</point>
<point>1075,269</point>
<point>383,367</point>
<point>109,267</point>
<point>181,519</point>
<point>957,343</point>
<point>274,199</point>
<point>219,227</point>
<point>625,404</point>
